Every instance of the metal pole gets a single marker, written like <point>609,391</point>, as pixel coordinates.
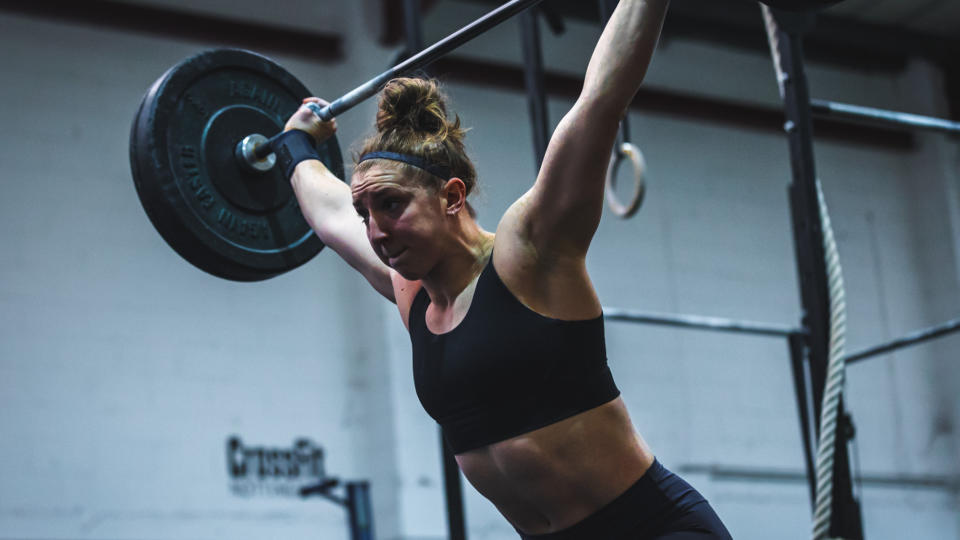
<point>798,362</point>
<point>701,323</point>
<point>456,524</point>
<point>869,115</point>
<point>360,511</point>
<point>808,244</point>
<point>912,339</point>
<point>413,30</point>
<point>533,79</point>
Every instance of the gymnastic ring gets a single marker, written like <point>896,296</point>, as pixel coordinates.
<point>632,152</point>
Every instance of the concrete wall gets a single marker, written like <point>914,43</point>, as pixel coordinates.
<point>124,370</point>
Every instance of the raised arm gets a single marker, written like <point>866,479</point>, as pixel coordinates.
<point>560,214</point>
<point>327,205</point>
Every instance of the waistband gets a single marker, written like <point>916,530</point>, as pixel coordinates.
<point>655,498</point>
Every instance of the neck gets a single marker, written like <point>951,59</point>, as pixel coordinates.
<point>468,252</point>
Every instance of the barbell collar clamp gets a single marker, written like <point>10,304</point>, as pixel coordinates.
<point>247,150</point>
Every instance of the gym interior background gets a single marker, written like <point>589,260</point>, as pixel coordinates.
<point>126,373</point>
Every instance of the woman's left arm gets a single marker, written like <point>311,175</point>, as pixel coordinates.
<point>559,215</point>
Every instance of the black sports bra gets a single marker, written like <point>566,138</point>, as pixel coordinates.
<point>506,370</point>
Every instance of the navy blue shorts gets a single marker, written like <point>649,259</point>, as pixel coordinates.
<point>660,506</point>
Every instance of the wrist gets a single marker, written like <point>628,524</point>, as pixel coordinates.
<point>292,147</point>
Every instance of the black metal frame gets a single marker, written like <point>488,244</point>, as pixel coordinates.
<point>752,117</point>
<point>919,336</point>
<point>810,357</point>
<point>453,492</point>
<point>812,269</point>
<point>881,117</point>
<point>356,502</point>
<point>533,81</point>
<point>700,322</point>
<point>808,344</point>
<point>809,347</point>
<point>360,511</point>
<point>801,383</point>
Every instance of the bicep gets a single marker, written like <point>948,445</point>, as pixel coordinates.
<point>327,206</point>
<point>562,210</point>
<point>565,204</point>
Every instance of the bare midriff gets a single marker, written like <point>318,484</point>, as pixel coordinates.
<point>554,477</point>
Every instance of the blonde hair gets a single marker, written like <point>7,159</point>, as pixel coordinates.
<point>412,119</point>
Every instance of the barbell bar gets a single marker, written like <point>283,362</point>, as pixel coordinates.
<point>260,152</point>
<point>415,62</point>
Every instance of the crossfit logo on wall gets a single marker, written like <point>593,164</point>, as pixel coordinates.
<point>256,470</point>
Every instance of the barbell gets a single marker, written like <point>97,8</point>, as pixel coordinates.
<point>800,5</point>
<point>202,162</point>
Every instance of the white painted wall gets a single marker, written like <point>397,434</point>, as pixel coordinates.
<point>123,369</point>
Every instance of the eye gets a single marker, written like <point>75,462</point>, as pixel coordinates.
<point>391,204</point>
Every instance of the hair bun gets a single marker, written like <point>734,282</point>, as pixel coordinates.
<point>412,119</point>
<point>412,105</point>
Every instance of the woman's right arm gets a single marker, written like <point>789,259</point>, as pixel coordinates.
<point>327,205</point>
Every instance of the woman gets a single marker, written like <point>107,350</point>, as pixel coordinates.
<point>506,328</point>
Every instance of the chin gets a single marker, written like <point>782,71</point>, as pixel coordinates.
<point>409,274</point>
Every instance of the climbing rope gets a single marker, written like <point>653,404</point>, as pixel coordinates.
<point>836,371</point>
<point>836,364</point>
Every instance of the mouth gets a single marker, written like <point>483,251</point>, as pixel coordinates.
<point>393,257</point>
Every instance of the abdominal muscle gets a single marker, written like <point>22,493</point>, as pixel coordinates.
<point>552,478</point>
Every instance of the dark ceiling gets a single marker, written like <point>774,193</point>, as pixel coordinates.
<point>856,34</point>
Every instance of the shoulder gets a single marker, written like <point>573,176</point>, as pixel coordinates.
<point>551,283</point>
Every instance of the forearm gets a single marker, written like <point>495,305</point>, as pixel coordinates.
<point>327,205</point>
<point>320,194</point>
<point>622,55</point>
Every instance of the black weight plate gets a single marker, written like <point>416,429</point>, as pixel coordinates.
<point>226,220</point>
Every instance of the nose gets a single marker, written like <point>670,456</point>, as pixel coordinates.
<point>375,229</point>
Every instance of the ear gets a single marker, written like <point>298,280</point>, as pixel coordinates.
<point>454,193</point>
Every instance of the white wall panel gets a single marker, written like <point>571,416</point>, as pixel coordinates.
<point>123,369</point>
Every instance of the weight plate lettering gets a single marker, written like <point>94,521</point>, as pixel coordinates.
<point>228,220</point>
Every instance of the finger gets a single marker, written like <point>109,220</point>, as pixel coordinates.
<point>306,113</point>
<point>318,101</point>
<point>318,112</point>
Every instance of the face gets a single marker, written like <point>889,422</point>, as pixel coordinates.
<point>402,217</point>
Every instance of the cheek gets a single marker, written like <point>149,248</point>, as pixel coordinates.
<point>417,221</point>
<point>410,229</point>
